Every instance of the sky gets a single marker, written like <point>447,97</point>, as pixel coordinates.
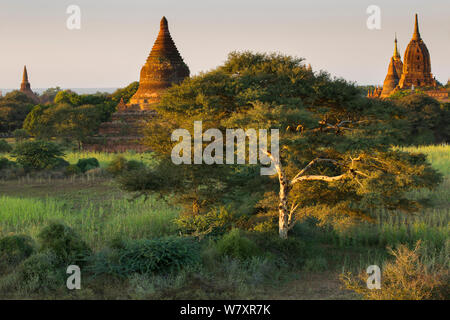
<point>116,37</point>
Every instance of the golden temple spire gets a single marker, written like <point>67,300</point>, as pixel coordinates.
<point>396,53</point>
<point>416,35</point>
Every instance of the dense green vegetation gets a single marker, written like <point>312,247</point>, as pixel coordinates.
<point>142,227</point>
<point>231,263</point>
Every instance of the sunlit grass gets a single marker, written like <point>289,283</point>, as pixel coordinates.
<point>97,224</point>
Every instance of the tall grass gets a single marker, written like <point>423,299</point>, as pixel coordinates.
<point>96,224</point>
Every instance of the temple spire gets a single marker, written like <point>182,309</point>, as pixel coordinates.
<point>416,35</point>
<point>396,54</point>
<point>25,75</point>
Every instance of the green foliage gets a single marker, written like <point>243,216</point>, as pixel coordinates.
<point>5,163</point>
<point>125,93</point>
<point>14,108</point>
<point>117,166</point>
<point>41,272</point>
<point>20,135</point>
<point>120,166</point>
<point>427,120</point>
<point>215,222</point>
<point>64,242</point>
<point>317,116</point>
<point>87,164</point>
<point>39,155</point>
<point>236,245</point>
<point>14,249</point>
<point>5,147</point>
<point>48,96</point>
<point>159,255</point>
<point>72,170</point>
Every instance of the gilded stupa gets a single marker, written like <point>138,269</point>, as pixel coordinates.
<point>164,67</point>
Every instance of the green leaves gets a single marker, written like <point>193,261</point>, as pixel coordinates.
<point>38,154</point>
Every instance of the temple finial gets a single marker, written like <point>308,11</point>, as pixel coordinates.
<point>396,54</point>
<point>416,35</point>
<point>25,74</point>
<point>164,24</point>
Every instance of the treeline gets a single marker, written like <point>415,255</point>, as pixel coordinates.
<point>60,114</point>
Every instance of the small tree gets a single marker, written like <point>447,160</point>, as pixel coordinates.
<point>5,147</point>
<point>335,157</point>
<point>20,135</point>
<point>38,154</point>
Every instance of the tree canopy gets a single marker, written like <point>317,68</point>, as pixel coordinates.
<point>336,161</point>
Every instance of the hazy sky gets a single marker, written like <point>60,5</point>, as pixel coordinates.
<point>116,36</point>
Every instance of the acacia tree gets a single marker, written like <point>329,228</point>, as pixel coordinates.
<point>336,162</point>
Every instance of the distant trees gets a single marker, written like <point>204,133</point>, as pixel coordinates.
<point>71,117</point>
<point>5,147</point>
<point>38,155</point>
<point>426,120</point>
<point>14,107</point>
<point>49,95</point>
<point>336,162</point>
<point>125,93</point>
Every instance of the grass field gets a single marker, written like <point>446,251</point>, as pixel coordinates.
<point>100,212</point>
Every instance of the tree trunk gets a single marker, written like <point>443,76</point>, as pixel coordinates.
<point>283,220</point>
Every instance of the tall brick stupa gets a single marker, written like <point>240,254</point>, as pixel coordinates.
<point>25,86</point>
<point>163,68</point>
<point>417,64</point>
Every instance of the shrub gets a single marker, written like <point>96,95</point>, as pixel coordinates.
<point>5,147</point>
<point>72,170</point>
<point>40,272</point>
<point>406,278</point>
<point>117,165</point>
<point>20,135</point>
<point>6,164</point>
<point>39,155</point>
<point>120,165</point>
<point>144,256</point>
<point>14,249</point>
<point>235,244</point>
<point>87,164</point>
<point>217,221</point>
<point>64,242</point>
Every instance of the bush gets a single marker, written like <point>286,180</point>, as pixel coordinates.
<point>234,244</point>
<point>14,249</point>
<point>20,135</point>
<point>72,170</point>
<point>87,164</point>
<point>65,243</point>
<point>117,165</point>
<point>6,164</point>
<point>5,147</point>
<point>120,165</point>
<point>406,278</point>
<point>217,221</point>
<point>159,255</point>
<point>39,155</point>
<point>40,272</point>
